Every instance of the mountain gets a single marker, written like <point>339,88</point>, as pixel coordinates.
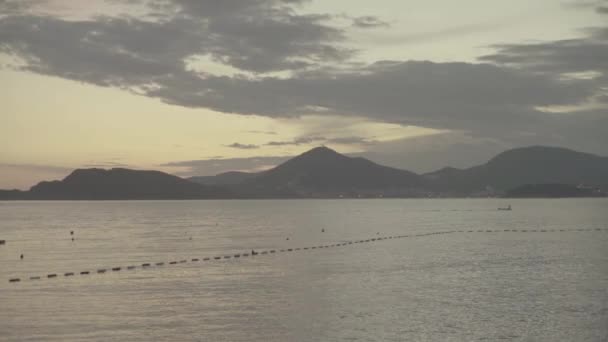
<point>12,194</point>
<point>100,184</point>
<point>527,165</point>
<point>322,172</point>
<point>553,191</point>
<point>226,178</point>
<point>325,173</point>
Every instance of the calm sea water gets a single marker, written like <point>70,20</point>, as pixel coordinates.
<point>518,286</point>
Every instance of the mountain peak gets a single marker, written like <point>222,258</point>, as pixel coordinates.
<point>317,155</point>
<point>320,150</point>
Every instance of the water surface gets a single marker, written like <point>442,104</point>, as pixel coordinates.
<point>532,286</point>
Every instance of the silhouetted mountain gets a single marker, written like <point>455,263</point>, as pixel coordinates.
<point>99,184</point>
<point>528,165</point>
<point>553,191</point>
<point>322,172</point>
<point>12,194</point>
<point>226,178</point>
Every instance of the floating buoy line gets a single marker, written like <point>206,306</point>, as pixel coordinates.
<point>254,254</point>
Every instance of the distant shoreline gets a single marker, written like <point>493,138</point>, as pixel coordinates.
<point>295,198</point>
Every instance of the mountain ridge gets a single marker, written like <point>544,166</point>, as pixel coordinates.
<point>525,165</point>
<point>324,173</point>
<point>121,183</point>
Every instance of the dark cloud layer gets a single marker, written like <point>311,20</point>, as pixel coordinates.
<point>501,97</point>
<point>586,54</point>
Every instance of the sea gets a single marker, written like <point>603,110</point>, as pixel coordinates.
<point>322,270</point>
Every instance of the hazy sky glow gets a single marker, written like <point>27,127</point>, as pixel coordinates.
<point>200,87</point>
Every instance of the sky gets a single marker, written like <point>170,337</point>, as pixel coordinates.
<point>199,87</point>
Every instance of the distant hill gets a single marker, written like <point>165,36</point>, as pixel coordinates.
<point>12,194</point>
<point>100,184</point>
<point>553,191</point>
<point>226,178</point>
<point>322,172</point>
<point>528,165</point>
<point>325,173</point>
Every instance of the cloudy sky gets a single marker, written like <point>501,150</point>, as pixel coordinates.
<point>197,87</point>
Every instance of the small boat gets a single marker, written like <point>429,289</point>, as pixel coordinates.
<point>507,208</point>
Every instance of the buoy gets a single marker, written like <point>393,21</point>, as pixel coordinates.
<point>287,239</point>
<point>173,263</point>
<point>84,272</point>
<point>35,278</point>
<point>160,264</point>
<point>21,256</point>
<point>323,230</point>
<point>217,258</point>
<point>145,265</point>
<point>101,270</point>
<point>116,269</point>
<point>71,232</point>
<point>52,275</point>
<point>2,242</point>
<point>195,260</point>
<point>237,255</point>
<point>183,261</point>
<point>14,280</point>
<point>68,274</point>
<point>206,259</point>
<point>131,267</point>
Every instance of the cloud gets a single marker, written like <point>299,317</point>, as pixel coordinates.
<point>12,7</point>
<point>366,22</point>
<point>600,6</point>
<point>501,97</point>
<point>589,53</point>
<point>462,96</point>
<point>256,36</point>
<point>409,38</point>
<point>214,166</point>
<point>298,141</point>
<point>243,146</point>
<point>306,140</point>
<point>261,132</point>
